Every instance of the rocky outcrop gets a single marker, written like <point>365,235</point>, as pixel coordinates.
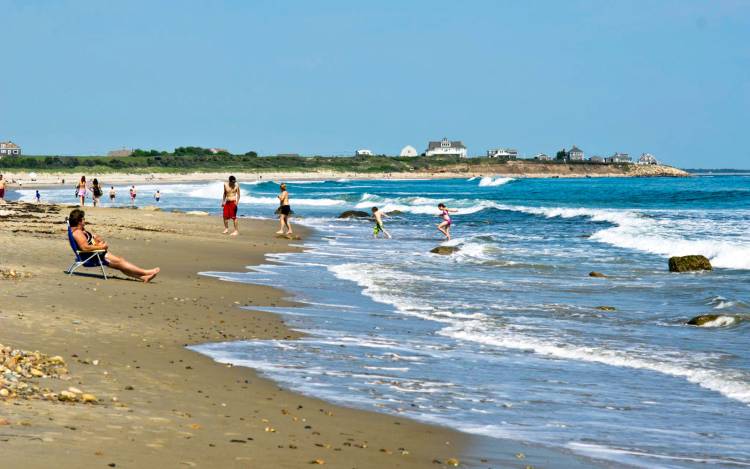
<point>689,263</point>
<point>354,214</point>
<point>606,308</point>
<point>445,250</point>
<point>712,320</point>
<point>597,274</point>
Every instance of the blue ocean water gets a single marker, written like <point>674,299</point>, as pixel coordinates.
<point>504,338</point>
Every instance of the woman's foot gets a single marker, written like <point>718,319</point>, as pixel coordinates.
<point>234,233</point>
<point>150,276</point>
<point>226,230</point>
<point>281,232</point>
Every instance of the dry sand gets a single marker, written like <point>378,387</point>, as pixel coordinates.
<point>159,404</point>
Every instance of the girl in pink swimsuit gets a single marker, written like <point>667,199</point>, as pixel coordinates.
<point>445,226</point>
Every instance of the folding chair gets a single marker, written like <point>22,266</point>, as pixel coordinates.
<point>85,258</point>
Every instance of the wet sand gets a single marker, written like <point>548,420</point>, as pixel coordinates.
<point>159,404</point>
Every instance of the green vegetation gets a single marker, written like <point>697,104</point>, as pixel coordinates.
<point>197,159</point>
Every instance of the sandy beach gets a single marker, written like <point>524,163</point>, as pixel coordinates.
<point>159,404</point>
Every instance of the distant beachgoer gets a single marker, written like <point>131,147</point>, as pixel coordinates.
<point>157,196</point>
<point>445,226</point>
<point>90,242</point>
<point>2,187</point>
<point>378,215</point>
<point>81,190</point>
<point>229,202</point>
<point>38,196</point>
<point>96,191</point>
<point>132,196</point>
<point>111,194</point>
<point>284,211</point>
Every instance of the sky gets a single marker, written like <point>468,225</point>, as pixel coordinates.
<point>669,77</point>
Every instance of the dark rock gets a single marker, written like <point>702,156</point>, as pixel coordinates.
<point>597,274</point>
<point>445,250</point>
<point>394,212</point>
<point>354,214</point>
<point>689,263</point>
<point>606,308</point>
<point>721,320</point>
<point>702,319</point>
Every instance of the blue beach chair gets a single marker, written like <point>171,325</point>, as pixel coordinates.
<point>86,258</point>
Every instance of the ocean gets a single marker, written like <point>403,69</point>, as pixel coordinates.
<point>505,337</point>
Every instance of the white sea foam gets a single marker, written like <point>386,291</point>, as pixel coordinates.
<point>492,182</point>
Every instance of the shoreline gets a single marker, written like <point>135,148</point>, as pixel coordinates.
<point>44,179</point>
<point>176,405</point>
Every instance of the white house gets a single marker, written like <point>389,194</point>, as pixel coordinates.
<point>596,159</point>
<point>575,154</point>
<point>503,153</point>
<point>9,149</point>
<point>542,157</point>
<point>446,147</point>
<point>647,158</point>
<point>363,152</point>
<point>619,158</point>
<point>408,150</point>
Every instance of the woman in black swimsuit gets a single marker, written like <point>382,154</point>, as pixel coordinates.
<point>284,211</point>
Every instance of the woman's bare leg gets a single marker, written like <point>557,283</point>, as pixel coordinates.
<point>288,225</point>
<point>281,224</point>
<point>130,269</point>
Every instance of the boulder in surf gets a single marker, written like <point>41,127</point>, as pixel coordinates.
<point>597,275</point>
<point>689,263</point>
<point>712,320</point>
<point>445,250</point>
<point>354,214</point>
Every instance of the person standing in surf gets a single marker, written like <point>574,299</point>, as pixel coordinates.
<point>445,225</point>
<point>229,204</point>
<point>378,216</point>
<point>284,211</point>
<point>81,191</point>
<point>96,191</point>
<point>132,196</point>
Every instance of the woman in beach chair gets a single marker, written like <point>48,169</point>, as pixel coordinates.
<point>88,242</point>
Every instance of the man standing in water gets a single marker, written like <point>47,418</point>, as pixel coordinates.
<point>284,211</point>
<point>229,203</point>
<point>2,187</point>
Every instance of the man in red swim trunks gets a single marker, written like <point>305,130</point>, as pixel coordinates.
<point>229,202</point>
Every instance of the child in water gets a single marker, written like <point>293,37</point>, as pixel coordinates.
<point>445,225</point>
<point>378,215</point>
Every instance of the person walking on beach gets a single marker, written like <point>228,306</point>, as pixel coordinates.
<point>229,202</point>
<point>90,242</point>
<point>38,196</point>
<point>2,187</point>
<point>111,194</point>
<point>284,211</point>
<point>81,190</point>
<point>378,215</point>
<point>445,225</point>
<point>132,196</point>
<point>157,196</point>
<point>96,191</point>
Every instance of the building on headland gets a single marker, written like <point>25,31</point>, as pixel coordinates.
<point>9,149</point>
<point>408,150</point>
<point>120,152</point>
<point>503,153</point>
<point>363,152</point>
<point>216,151</point>
<point>446,147</point>
<point>647,158</point>
<point>596,159</point>
<point>575,154</point>
<point>288,155</point>
<point>542,157</point>
<point>619,158</point>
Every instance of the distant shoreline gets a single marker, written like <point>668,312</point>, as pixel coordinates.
<point>514,169</point>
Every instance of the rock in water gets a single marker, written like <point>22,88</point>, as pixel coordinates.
<point>712,320</point>
<point>354,214</point>
<point>445,250</point>
<point>597,274</point>
<point>689,263</point>
<point>606,308</point>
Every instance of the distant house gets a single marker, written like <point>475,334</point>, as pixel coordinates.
<point>289,155</point>
<point>503,153</point>
<point>216,151</point>
<point>542,157</point>
<point>363,152</point>
<point>9,149</point>
<point>408,150</point>
<point>121,152</point>
<point>647,158</point>
<point>575,154</point>
<point>596,159</point>
<point>446,147</point>
<point>619,158</point>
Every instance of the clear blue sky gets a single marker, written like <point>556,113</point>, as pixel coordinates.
<point>669,77</point>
